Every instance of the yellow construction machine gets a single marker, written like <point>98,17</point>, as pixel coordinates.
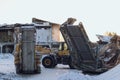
<point>59,53</point>
<point>55,55</point>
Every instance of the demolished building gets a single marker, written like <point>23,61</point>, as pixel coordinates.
<point>54,31</point>
<point>49,31</point>
<point>102,57</point>
<point>6,38</point>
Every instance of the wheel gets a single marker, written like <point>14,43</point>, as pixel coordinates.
<point>48,62</point>
<point>54,60</point>
<point>70,64</point>
<point>18,70</point>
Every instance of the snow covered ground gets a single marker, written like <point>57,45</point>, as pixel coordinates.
<point>61,72</point>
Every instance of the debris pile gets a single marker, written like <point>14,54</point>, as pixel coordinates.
<point>86,55</point>
<point>109,53</point>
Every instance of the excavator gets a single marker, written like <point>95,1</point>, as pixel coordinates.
<point>27,58</point>
<point>86,55</point>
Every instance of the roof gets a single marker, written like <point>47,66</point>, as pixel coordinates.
<point>6,26</point>
<point>35,20</point>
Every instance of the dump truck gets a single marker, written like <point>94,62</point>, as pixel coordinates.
<point>27,58</point>
<point>86,55</point>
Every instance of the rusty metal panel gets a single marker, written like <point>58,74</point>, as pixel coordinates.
<point>78,44</point>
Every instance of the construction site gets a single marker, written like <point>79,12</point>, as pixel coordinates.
<point>42,46</point>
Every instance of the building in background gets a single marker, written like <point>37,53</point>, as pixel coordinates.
<point>6,38</point>
<point>47,32</point>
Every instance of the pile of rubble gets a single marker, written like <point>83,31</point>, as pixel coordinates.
<point>109,49</point>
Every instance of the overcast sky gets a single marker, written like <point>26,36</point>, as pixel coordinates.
<point>97,16</point>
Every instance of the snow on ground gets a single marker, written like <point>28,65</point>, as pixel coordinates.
<point>61,72</point>
<point>7,71</point>
<point>7,68</point>
<point>75,76</point>
<point>113,74</point>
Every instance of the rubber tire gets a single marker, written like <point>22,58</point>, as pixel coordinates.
<point>51,63</point>
<point>70,64</point>
<point>18,71</point>
<point>54,61</point>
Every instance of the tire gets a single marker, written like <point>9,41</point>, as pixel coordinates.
<point>54,64</point>
<point>18,70</point>
<point>70,64</point>
<point>48,62</point>
<point>54,60</point>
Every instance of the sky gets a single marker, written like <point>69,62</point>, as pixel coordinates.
<point>97,16</point>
